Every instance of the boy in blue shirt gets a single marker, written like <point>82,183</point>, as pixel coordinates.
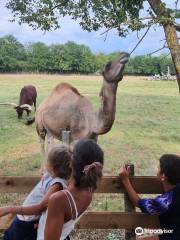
<point>167,205</point>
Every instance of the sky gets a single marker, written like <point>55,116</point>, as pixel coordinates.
<point>71,31</point>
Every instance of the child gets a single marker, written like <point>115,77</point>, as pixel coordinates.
<point>67,206</point>
<point>167,206</point>
<point>24,226</point>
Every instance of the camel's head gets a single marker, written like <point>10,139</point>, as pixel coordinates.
<point>113,71</point>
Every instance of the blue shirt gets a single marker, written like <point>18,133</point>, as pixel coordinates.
<point>38,192</point>
<point>167,206</point>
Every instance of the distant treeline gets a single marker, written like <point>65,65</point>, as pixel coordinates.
<point>70,58</point>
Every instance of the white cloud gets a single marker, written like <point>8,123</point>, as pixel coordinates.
<point>71,31</point>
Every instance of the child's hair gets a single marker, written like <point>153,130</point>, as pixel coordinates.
<point>88,159</point>
<point>170,166</point>
<point>60,159</point>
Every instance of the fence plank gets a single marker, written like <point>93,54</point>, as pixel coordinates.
<point>5,221</point>
<point>114,220</point>
<point>129,207</point>
<point>17,184</point>
<point>109,184</point>
<point>108,220</point>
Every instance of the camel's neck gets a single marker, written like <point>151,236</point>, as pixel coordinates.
<point>106,114</point>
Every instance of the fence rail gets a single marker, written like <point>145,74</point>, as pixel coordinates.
<point>109,184</point>
<point>97,220</point>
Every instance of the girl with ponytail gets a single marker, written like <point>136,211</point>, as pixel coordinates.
<point>67,206</point>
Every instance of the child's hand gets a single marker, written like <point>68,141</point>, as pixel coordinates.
<point>123,172</point>
<point>4,211</point>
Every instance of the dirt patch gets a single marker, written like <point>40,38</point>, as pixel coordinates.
<point>98,234</point>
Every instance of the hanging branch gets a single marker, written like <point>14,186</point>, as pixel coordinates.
<point>137,34</point>
<point>164,46</point>
<point>176,4</point>
<point>105,32</point>
<point>106,36</point>
<point>140,39</point>
<point>166,55</point>
<point>177,26</point>
<point>129,22</point>
<point>149,54</point>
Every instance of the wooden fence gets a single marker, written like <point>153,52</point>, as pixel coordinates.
<point>97,220</point>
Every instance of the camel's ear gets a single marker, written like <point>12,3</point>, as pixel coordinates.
<point>106,68</point>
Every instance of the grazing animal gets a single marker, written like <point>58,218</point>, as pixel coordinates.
<point>66,109</point>
<point>27,98</point>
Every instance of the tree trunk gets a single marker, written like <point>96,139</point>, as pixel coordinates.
<point>172,41</point>
<point>171,37</point>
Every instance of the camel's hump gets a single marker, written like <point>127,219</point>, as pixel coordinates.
<point>65,86</point>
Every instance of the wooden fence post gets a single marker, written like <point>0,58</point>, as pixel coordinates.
<point>129,207</point>
<point>66,137</point>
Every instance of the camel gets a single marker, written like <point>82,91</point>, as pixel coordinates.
<point>66,109</point>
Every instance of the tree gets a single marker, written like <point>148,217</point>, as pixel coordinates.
<point>70,58</point>
<point>12,54</point>
<point>59,58</point>
<point>167,18</point>
<point>148,65</point>
<point>80,58</point>
<point>123,15</point>
<point>38,57</point>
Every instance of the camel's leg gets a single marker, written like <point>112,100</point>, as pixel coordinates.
<point>43,154</point>
<point>50,141</point>
<point>35,105</point>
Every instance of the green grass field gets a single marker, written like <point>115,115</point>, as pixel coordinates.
<point>146,126</point>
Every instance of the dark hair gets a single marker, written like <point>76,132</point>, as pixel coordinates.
<point>85,153</point>
<point>60,158</point>
<point>170,166</point>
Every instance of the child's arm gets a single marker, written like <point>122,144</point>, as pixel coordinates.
<point>34,209</point>
<point>124,175</point>
<point>157,205</point>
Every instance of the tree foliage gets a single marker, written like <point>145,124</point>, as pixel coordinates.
<point>122,15</point>
<point>70,58</point>
<point>147,65</point>
<point>12,54</point>
<point>92,15</point>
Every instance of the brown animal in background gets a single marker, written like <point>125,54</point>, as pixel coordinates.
<point>66,109</point>
<point>27,98</point>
